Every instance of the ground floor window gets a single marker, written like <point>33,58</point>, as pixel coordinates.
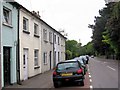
<point>36,57</point>
<point>45,57</point>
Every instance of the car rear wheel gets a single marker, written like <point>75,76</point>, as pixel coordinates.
<point>82,83</point>
<point>57,84</point>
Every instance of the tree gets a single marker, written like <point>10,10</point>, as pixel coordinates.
<point>74,49</point>
<point>101,44</point>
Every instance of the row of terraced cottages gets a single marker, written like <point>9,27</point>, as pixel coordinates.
<point>29,46</point>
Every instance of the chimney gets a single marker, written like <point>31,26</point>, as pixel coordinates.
<point>36,14</point>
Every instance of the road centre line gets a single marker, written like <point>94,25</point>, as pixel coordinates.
<point>111,68</point>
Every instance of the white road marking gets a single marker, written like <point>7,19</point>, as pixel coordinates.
<point>89,76</point>
<point>91,87</point>
<point>90,80</point>
<point>105,62</point>
<point>111,68</point>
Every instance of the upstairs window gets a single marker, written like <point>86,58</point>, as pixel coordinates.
<point>50,37</point>
<point>25,24</point>
<point>36,31</point>
<point>7,16</point>
<point>58,40</point>
<point>45,34</point>
<point>55,38</point>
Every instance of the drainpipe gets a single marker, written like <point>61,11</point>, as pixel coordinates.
<point>18,51</point>
<point>1,1</point>
<point>53,52</point>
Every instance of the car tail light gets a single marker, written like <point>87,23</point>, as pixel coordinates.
<point>54,73</point>
<point>79,71</point>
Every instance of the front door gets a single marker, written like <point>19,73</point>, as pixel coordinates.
<point>6,63</point>
<point>25,61</point>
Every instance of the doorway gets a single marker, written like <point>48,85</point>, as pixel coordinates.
<point>6,63</point>
<point>25,65</point>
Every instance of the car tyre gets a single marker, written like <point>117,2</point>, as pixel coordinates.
<point>56,84</point>
<point>82,83</point>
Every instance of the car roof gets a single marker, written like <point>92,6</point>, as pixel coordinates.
<point>72,60</point>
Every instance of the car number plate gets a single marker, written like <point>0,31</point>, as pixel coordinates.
<point>66,74</point>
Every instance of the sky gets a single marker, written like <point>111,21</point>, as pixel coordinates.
<point>72,16</point>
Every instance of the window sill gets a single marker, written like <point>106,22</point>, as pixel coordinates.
<point>8,25</point>
<point>36,67</point>
<point>46,41</point>
<point>27,32</point>
<point>45,63</point>
<point>36,36</point>
<point>51,43</point>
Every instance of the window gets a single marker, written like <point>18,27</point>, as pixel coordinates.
<point>36,31</point>
<point>36,57</point>
<point>50,37</point>
<point>45,57</point>
<point>25,24</point>
<point>55,38</point>
<point>58,40</point>
<point>45,34</point>
<point>7,16</point>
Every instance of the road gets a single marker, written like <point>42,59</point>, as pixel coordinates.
<point>104,73</point>
<point>101,73</point>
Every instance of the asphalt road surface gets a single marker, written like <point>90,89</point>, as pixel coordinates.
<point>104,73</point>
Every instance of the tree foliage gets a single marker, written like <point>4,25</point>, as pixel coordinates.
<point>106,30</point>
<point>74,49</point>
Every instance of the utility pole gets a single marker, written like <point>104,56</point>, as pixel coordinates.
<point>1,13</point>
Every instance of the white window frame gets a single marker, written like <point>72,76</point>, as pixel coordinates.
<point>45,34</point>
<point>36,29</point>
<point>58,40</point>
<point>36,57</point>
<point>45,58</point>
<point>8,19</point>
<point>55,40</point>
<point>50,37</point>
<point>26,27</point>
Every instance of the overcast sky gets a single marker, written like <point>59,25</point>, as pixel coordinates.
<point>71,15</point>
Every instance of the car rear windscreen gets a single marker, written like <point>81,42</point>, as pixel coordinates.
<point>67,65</point>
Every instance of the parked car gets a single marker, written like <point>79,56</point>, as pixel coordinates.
<point>87,57</point>
<point>83,58</point>
<point>68,71</point>
<point>92,56</point>
<point>84,67</point>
